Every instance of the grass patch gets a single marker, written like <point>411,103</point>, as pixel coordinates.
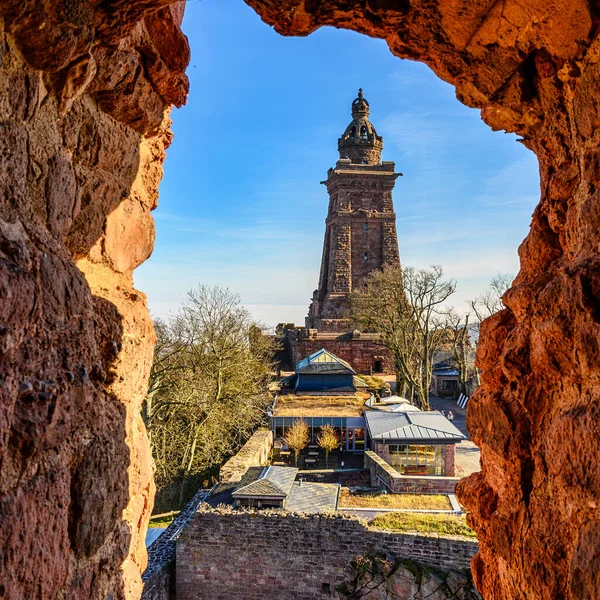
<point>161,521</point>
<point>289,405</point>
<point>379,500</point>
<point>442,524</point>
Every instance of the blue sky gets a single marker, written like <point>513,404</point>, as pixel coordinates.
<point>241,205</point>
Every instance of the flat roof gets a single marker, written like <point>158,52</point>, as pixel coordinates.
<point>429,426</point>
<point>290,405</point>
<point>313,497</point>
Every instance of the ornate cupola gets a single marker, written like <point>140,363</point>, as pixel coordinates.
<point>360,142</point>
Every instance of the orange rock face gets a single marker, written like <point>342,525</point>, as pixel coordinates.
<point>85,91</point>
<point>533,69</point>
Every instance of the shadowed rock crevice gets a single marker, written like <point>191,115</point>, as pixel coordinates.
<point>85,91</point>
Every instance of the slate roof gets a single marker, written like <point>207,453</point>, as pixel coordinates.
<point>222,493</point>
<point>446,367</point>
<point>429,426</point>
<point>323,361</point>
<point>313,497</point>
<point>273,482</point>
<point>359,383</point>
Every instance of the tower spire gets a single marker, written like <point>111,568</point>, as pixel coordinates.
<point>360,230</point>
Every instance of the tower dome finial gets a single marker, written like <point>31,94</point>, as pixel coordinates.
<point>360,106</point>
<point>360,142</point>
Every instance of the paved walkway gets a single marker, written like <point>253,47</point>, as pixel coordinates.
<point>467,453</point>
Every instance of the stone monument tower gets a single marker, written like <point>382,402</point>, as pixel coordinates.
<point>360,233</point>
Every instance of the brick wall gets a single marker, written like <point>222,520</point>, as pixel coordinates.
<point>161,585</point>
<point>386,475</point>
<point>253,453</point>
<point>360,353</point>
<point>269,555</point>
<point>450,460</point>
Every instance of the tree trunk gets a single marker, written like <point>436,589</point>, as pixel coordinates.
<point>188,468</point>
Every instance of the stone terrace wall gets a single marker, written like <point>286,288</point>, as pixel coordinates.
<point>158,578</point>
<point>259,555</point>
<point>252,454</point>
<point>381,472</point>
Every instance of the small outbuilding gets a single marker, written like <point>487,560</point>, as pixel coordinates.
<point>276,487</point>
<point>444,381</point>
<point>414,442</point>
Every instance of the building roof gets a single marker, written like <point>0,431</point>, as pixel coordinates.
<point>446,372</point>
<point>419,426</point>
<point>323,362</point>
<point>447,368</point>
<point>313,497</point>
<point>273,482</point>
<point>289,405</point>
<point>222,492</point>
<point>359,382</point>
<point>278,483</point>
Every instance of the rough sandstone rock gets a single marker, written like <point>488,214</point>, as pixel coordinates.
<point>387,578</point>
<point>85,88</point>
<point>85,91</point>
<point>532,68</point>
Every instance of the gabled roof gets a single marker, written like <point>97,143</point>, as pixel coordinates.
<point>273,482</point>
<point>429,426</point>
<point>323,361</point>
<point>446,367</point>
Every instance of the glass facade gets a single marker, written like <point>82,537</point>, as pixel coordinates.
<point>418,458</point>
<point>352,439</point>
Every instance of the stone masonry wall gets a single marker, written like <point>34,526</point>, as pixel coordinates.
<point>159,576</point>
<point>384,474</point>
<point>85,93</point>
<point>252,454</point>
<point>225,555</point>
<point>361,354</point>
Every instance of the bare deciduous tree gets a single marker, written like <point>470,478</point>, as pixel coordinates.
<point>208,386</point>
<point>297,437</point>
<point>490,301</point>
<point>457,342</point>
<point>329,440</point>
<point>406,308</point>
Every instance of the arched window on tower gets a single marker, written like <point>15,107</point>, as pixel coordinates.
<point>366,257</point>
<point>352,132</point>
<point>366,226</point>
<point>363,132</point>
